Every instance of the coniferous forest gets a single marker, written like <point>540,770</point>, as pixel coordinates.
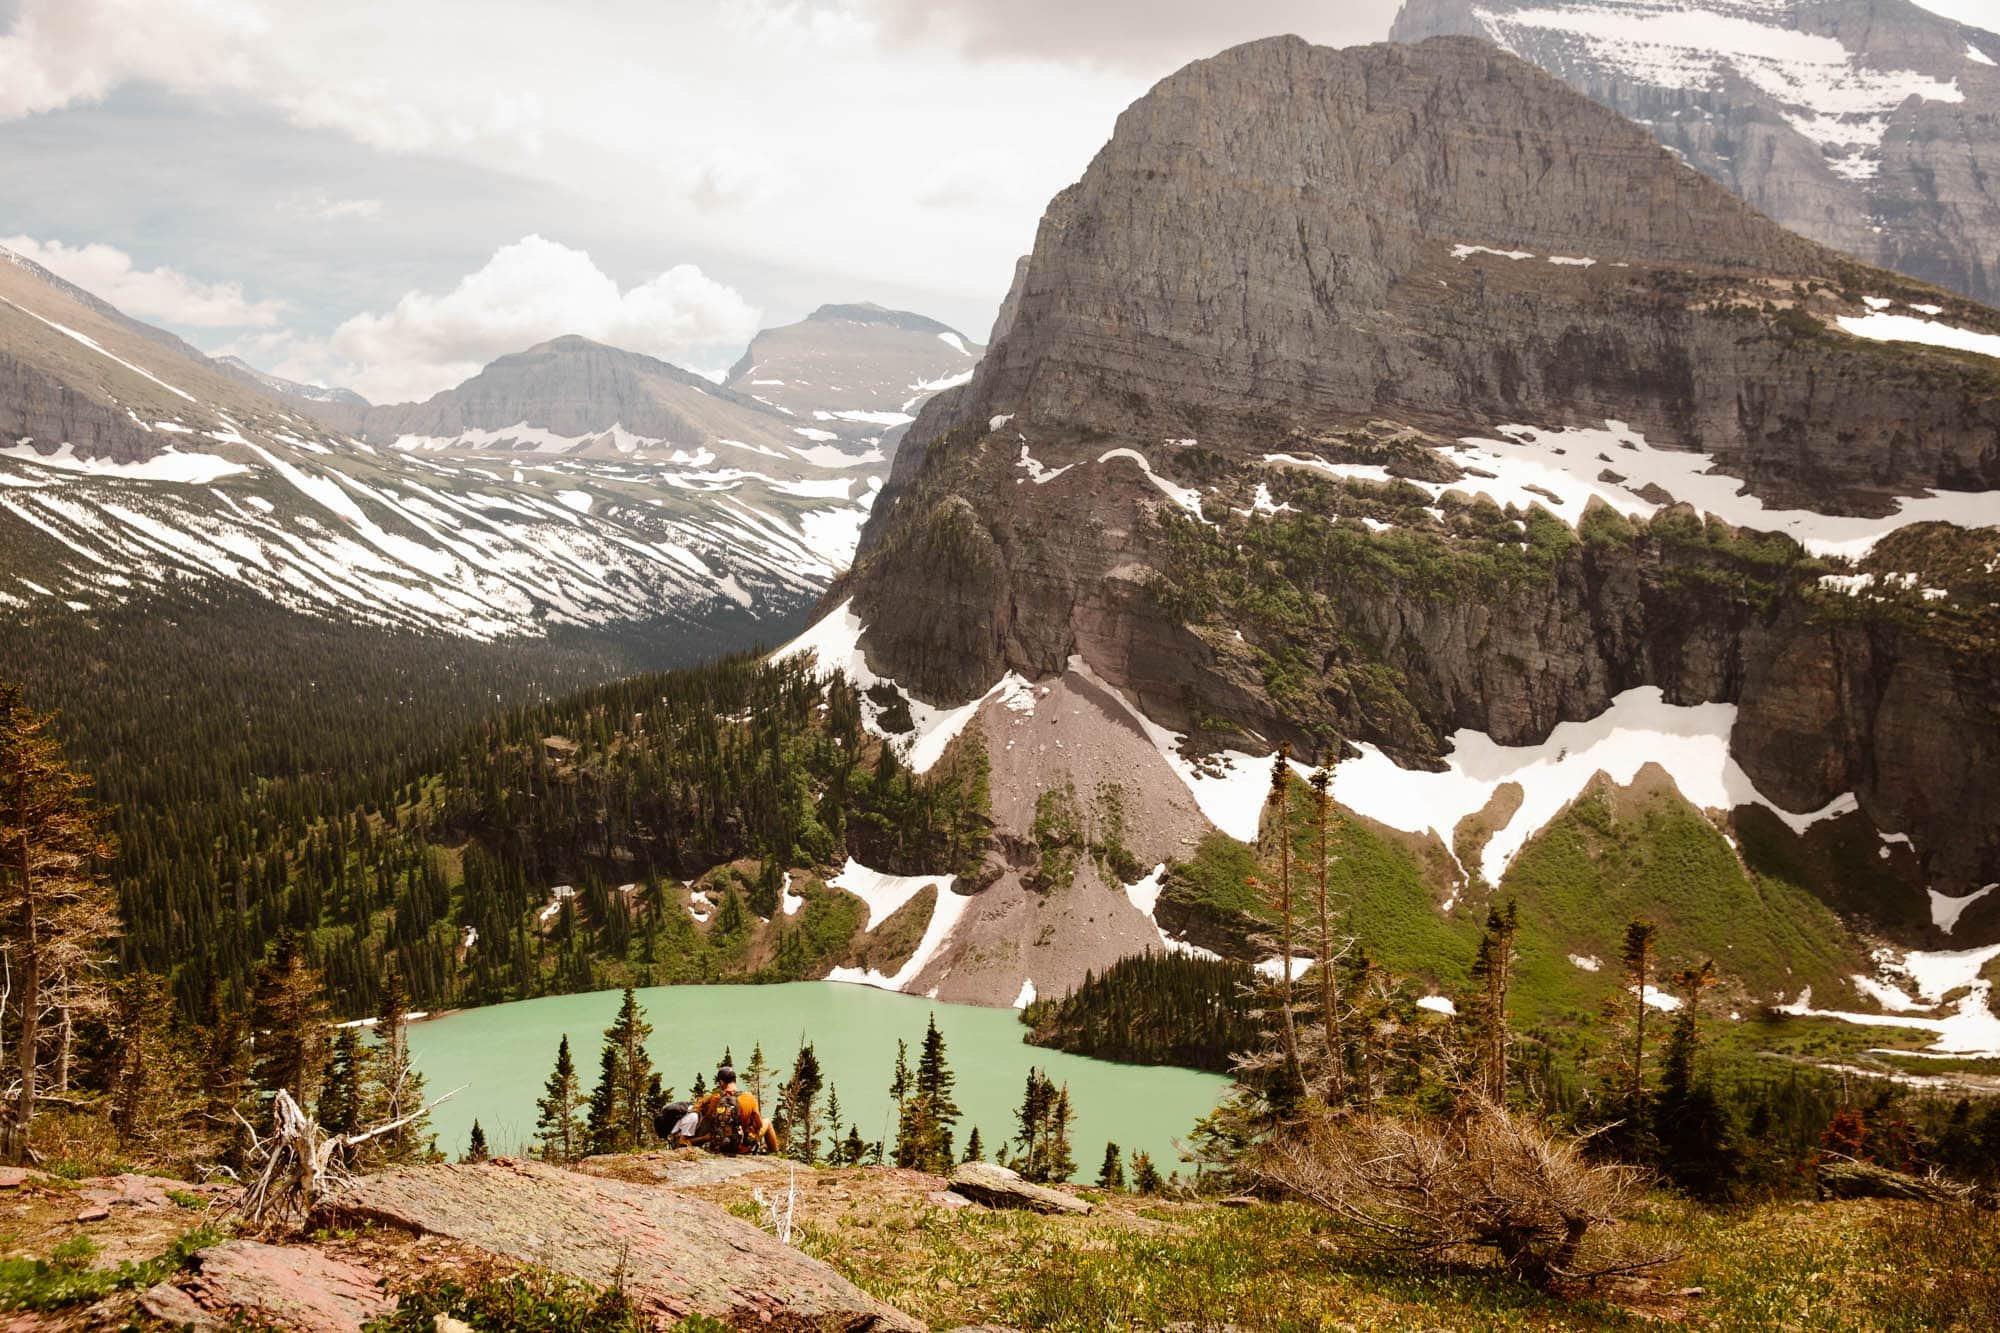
<point>444,869</point>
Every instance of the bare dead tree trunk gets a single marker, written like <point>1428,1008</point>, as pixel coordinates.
<point>1280,803</point>
<point>65,1042</point>
<point>31,996</point>
<point>1329,985</point>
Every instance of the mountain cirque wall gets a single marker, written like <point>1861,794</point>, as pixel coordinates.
<point>1868,125</point>
<point>1292,261</point>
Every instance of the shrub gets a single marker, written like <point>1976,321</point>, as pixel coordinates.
<point>537,1301</point>
<point>1488,1180</point>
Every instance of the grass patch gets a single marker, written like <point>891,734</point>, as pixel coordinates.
<point>66,1278</point>
<point>534,1301</point>
<point>1619,854</point>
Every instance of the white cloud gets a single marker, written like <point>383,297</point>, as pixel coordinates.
<point>1151,36</point>
<point>63,51</point>
<point>823,149</point>
<point>529,292</point>
<point>160,295</point>
<point>295,58</point>
<point>320,207</point>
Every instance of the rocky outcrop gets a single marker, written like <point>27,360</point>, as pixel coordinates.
<point>998,1187</point>
<point>247,1284</point>
<point>675,1257</point>
<point>1283,244</point>
<point>1865,125</point>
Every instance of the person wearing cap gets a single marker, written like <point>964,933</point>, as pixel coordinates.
<point>730,1119</point>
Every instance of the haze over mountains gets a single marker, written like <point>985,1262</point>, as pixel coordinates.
<point>570,484</point>
<point>1868,125</point>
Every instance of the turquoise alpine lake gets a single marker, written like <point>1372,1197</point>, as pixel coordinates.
<point>501,1055</point>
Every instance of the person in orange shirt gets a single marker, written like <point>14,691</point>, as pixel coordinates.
<point>731,1121</point>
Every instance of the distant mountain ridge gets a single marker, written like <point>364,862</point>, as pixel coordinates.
<point>1872,126</point>
<point>133,465</point>
<point>571,395</point>
<point>278,384</point>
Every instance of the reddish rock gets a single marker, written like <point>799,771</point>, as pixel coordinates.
<point>292,1287</point>
<point>675,1256</point>
<point>93,1212</point>
<point>170,1305</point>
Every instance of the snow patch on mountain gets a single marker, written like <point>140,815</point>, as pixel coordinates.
<point>170,466</point>
<point>1822,89</point>
<point>1562,470</point>
<point>1690,742</point>
<point>1907,329</point>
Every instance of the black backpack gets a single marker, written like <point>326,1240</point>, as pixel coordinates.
<point>667,1118</point>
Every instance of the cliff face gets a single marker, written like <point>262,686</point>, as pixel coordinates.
<point>1867,125</point>
<point>1217,451</point>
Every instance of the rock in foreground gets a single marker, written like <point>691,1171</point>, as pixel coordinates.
<point>997,1187</point>
<point>675,1256</point>
<point>242,1283</point>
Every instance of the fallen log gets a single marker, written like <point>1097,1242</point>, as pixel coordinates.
<point>1841,1179</point>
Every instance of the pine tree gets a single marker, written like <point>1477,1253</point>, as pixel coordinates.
<point>475,1149</point>
<point>1492,973</point>
<point>55,907</point>
<point>798,1103</point>
<point>1061,1164</point>
<point>755,1071</point>
<point>619,1119</point>
<point>340,1107</point>
<point>1280,803</point>
<point>931,1112</point>
<point>1043,1138</point>
<point>1111,1175</point>
<point>1145,1176</point>
<point>833,1122</point>
<point>899,1082</point>
<point>600,1117</point>
<point>1638,955</point>
<point>975,1151</point>
<point>1331,1001</point>
<point>1700,1146</point>
<point>559,1128</point>
<point>288,1021</point>
<point>398,1093</point>
<point>224,1075</point>
<point>153,1096</point>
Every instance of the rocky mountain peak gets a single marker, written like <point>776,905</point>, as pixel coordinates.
<point>1867,125</point>
<point>1325,343</point>
<point>867,312</point>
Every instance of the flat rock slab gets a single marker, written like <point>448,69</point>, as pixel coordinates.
<point>675,1256</point>
<point>997,1187</point>
<point>244,1282</point>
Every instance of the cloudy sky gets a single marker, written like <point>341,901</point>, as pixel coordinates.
<point>389,193</point>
